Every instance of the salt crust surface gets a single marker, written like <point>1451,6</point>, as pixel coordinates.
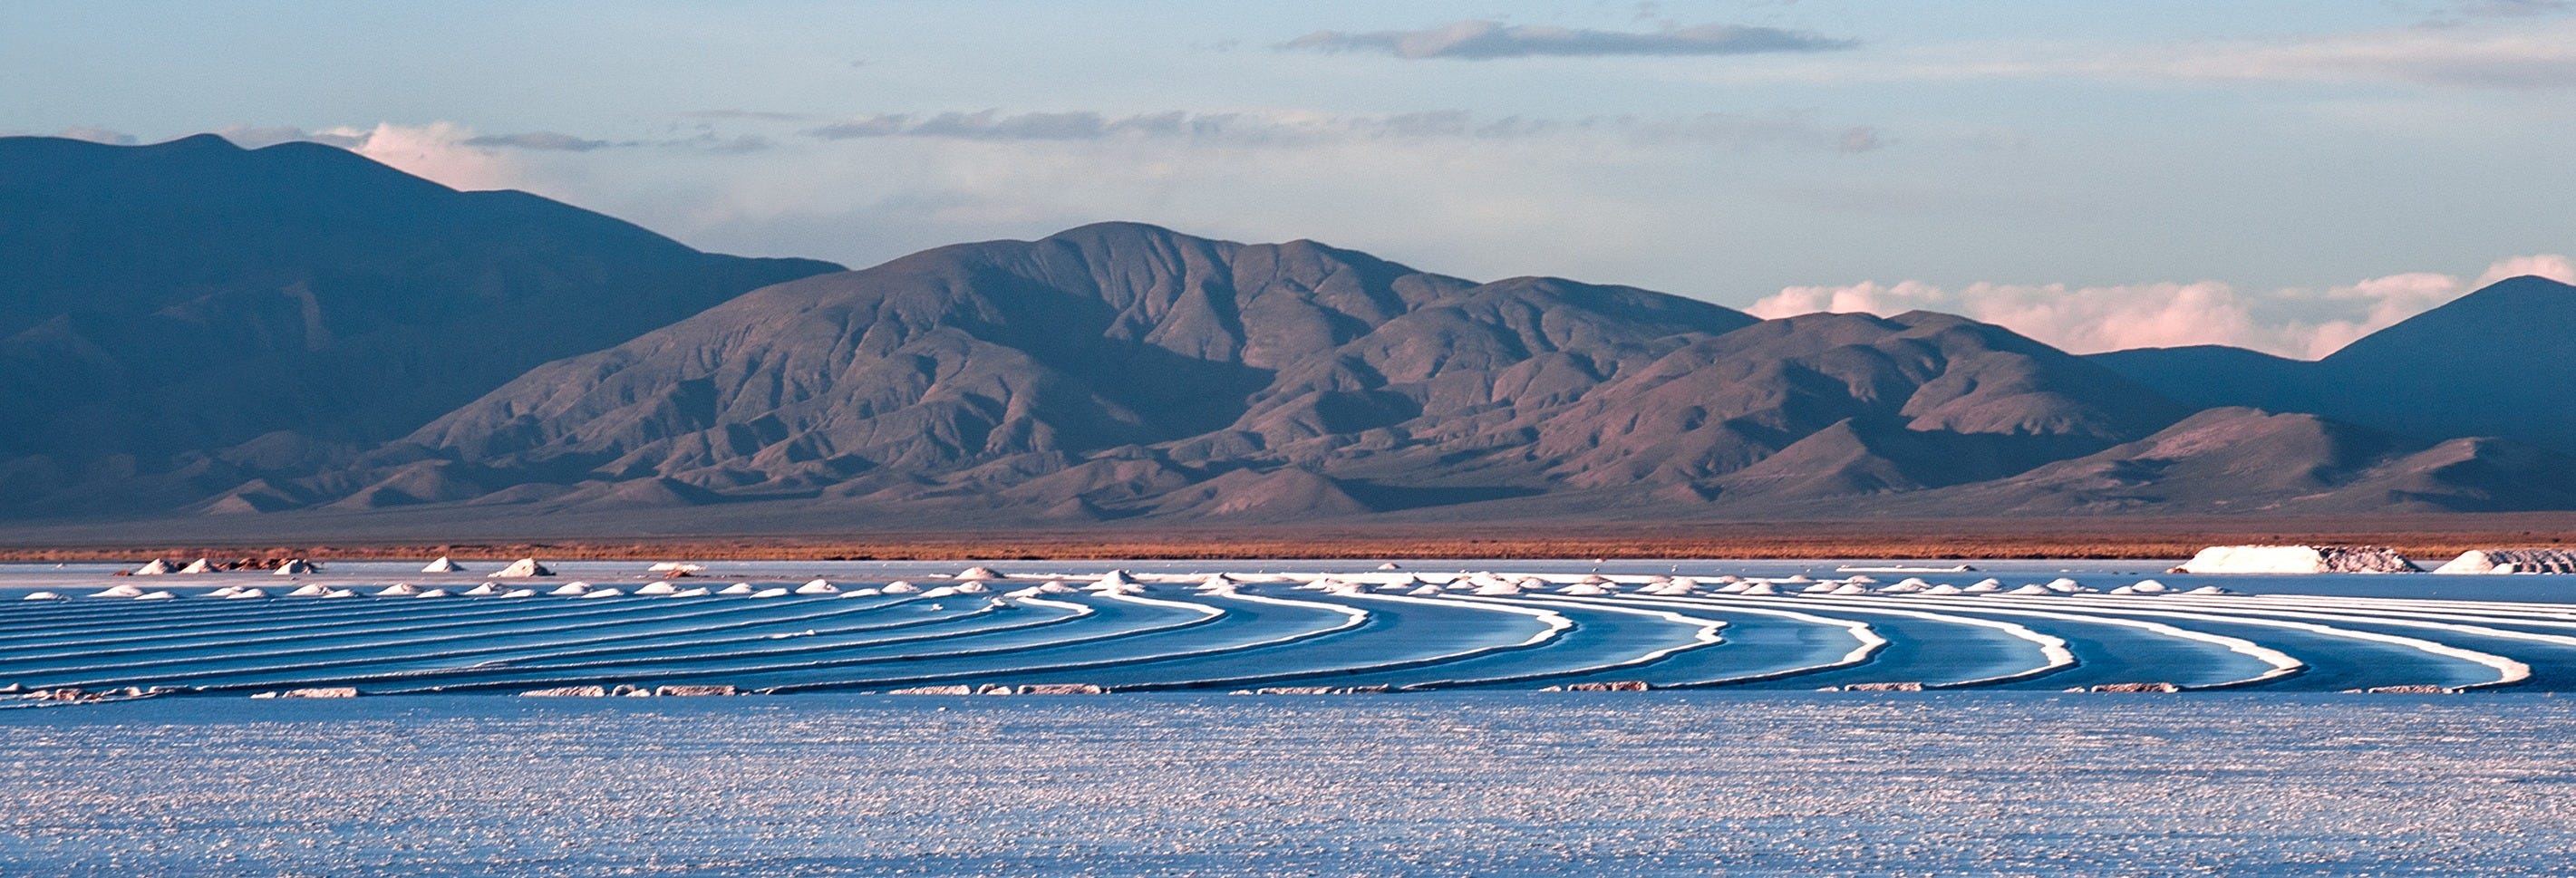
<point>1432,784</point>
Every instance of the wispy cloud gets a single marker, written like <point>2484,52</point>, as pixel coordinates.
<point>2302,323</point>
<point>545,140</point>
<point>1483,40</point>
<point>1783,129</point>
<point>2491,51</point>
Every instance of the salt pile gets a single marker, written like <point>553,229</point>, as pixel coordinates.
<point>601,593</point>
<point>442,565</point>
<point>1757,588</point>
<point>2149,586</point>
<point>42,596</point>
<point>314,590</point>
<point>738,588</point>
<point>2063,585</point>
<point>978,573</point>
<point>520,593</point>
<point>224,592</point>
<point>2297,559</point>
<point>246,594</point>
<point>823,587</point>
<point>1498,589</point>
<point>485,590</point>
<point>969,587</point>
<point>570,589</point>
<point>1583,588</point>
<point>1907,585</point>
<point>155,596</point>
<point>657,587</point>
<point>156,568</point>
<point>2512,561</point>
<point>690,593</point>
<point>1819,588</point>
<point>1425,590</point>
<point>1983,586</point>
<point>1851,588</point>
<point>200,565</point>
<point>676,567</point>
<point>524,568</point>
<point>399,589</point>
<point>770,593</point>
<point>118,591</point>
<point>1390,565</point>
<point>902,587</point>
<point>1944,589</point>
<point>431,593</point>
<point>2209,589</point>
<point>2032,589</point>
<point>294,567</point>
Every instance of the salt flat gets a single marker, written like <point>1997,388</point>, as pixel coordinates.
<point>1488,783</point>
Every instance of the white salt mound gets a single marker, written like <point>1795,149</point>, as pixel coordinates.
<point>156,568</point>
<point>42,596</point>
<point>224,592</point>
<point>431,593</point>
<point>969,587</point>
<point>308,591</point>
<point>2063,585</point>
<point>520,593</point>
<point>600,593</point>
<point>690,593</point>
<point>2149,586</point>
<point>818,587</point>
<point>1759,588</point>
<point>1583,588</point>
<point>200,565</point>
<point>737,588</point>
<point>770,593</point>
<point>2297,559</point>
<point>657,587</point>
<point>570,589</point>
<point>978,573</point>
<point>675,567</point>
<point>524,568</point>
<point>1819,588</point>
<point>485,590</point>
<point>246,594</point>
<point>1851,588</point>
<point>1944,588</point>
<point>442,565</point>
<point>118,591</point>
<point>2209,589</point>
<point>902,587</point>
<point>1983,586</point>
<point>1390,565</point>
<point>398,589</point>
<point>2512,561</point>
<point>2032,589</point>
<point>1428,589</point>
<point>293,567</point>
<point>154,596</point>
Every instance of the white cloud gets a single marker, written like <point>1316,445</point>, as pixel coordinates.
<point>2302,323</point>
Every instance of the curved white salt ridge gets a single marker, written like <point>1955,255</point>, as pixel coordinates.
<point>737,588</point>
<point>1583,589</point>
<point>1850,589</point>
<point>2282,663</point>
<point>570,589</point>
<point>1556,624</point>
<point>1707,632</point>
<point>676,567</point>
<point>902,587</point>
<point>442,565</point>
<point>969,587</point>
<point>600,593</point>
<point>155,596</point>
<point>770,593</point>
<point>657,587</point>
<point>819,586</point>
<point>2054,654</point>
<point>2508,670</point>
<point>1426,589</point>
<point>940,592</point>
<point>1133,597</point>
<point>1868,640</point>
<point>1497,589</point>
<point>2209,589</point>
<point>43,596</point>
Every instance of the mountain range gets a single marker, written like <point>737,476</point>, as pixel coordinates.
<point>192,330</point>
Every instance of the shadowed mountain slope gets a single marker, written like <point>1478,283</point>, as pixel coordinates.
<point>193,306</point>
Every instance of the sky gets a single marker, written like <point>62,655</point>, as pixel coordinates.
<point>2278,174</point>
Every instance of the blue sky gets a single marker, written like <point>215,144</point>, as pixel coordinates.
<point>2277,174</point>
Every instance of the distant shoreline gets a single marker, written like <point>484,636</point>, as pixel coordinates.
<point>2434,537</point>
